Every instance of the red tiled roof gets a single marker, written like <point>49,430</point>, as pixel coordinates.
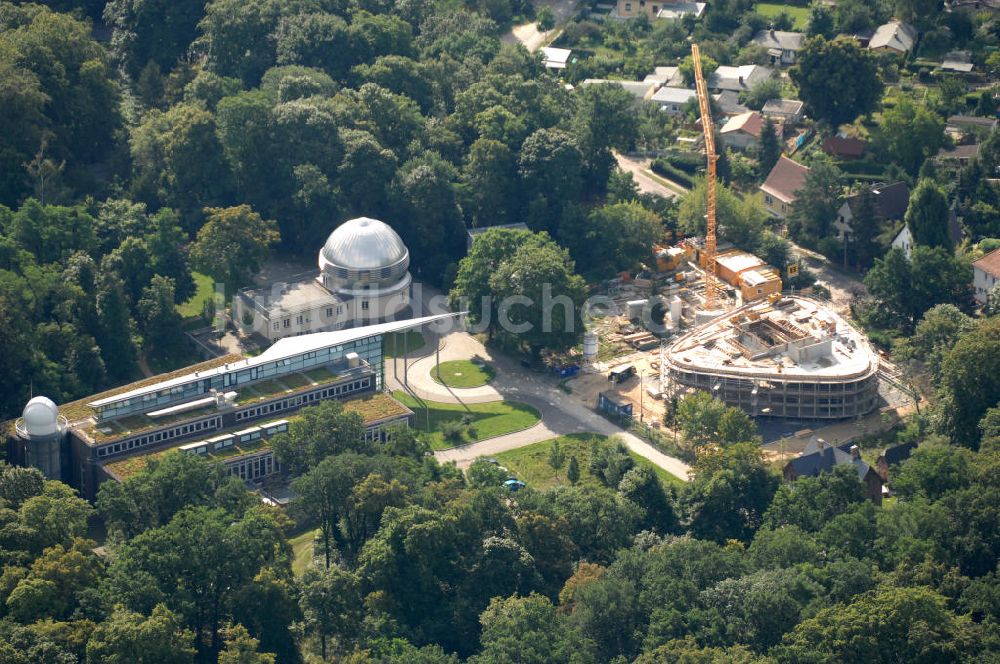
<point>750,122</point>
<point>786,178</point>
<point>990,263</point>
<point>839,146</point>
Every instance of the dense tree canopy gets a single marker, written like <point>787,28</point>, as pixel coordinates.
<point>838,65</point>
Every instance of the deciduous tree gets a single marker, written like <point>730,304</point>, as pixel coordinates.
<point>159,638</point>
<point>729,492</point>
<point>839,65</point>
<point>233,244</point>
<point>908,133</point>
<point>927,216</point>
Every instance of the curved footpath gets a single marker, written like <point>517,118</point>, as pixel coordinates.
<point>561,414</point>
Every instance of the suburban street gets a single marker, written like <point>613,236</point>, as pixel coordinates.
<point>528,34</point>
<point>638,167</point>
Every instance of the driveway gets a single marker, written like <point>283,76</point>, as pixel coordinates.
<point>843,288</point>
<point>561,413</point>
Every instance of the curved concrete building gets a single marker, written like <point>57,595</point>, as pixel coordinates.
<point>793,357</point>
<point>363,278</point>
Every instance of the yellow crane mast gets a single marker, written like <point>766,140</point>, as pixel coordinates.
<point>711,281</point>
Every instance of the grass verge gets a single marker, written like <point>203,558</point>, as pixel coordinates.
<point>462,373</point>
<point>531,463</point>
<point>494,418</point>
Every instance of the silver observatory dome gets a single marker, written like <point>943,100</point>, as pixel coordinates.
<point>363,252</point>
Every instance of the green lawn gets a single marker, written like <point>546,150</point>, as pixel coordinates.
<point>489,419</point>
<point>392,345</point>
<point>462,373</point>
<point>302,550</point>
<point>530,464</point>
<point>204,290</point>
<point>800,15</point>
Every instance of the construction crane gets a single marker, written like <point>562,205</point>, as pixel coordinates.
<point>711,280</point>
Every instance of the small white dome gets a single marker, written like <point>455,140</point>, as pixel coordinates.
<point>363,244</point>
<point>41,417</point>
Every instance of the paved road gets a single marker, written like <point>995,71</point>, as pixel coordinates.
<point>843,288</point>
<point>528,33</point>
<point>647,185</point>
<point>561,413</point>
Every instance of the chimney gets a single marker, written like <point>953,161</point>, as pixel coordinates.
<point>855,452</point>
<point>741,80</point>
<point>820,444</point>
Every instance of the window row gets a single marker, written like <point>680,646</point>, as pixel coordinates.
<point>343,389</point>
<point>210,424</point>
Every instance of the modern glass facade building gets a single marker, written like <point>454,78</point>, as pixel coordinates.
<point>289,355</point>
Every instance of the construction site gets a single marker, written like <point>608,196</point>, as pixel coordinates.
<point>783,357</point>
<point>714,318</point>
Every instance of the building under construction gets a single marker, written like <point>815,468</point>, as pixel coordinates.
<point>781,357</point>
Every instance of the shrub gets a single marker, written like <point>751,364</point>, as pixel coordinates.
<point>453,431</point>
<point>664,168</point>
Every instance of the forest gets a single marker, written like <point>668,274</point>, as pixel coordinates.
<point>414,562</point>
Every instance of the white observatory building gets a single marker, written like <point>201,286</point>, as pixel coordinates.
<point>363,278</point>
<point>41,431</point>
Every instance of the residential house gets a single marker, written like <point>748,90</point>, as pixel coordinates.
<point>986,275</point>
<point>903,241</point>
<point>893,456</point>
<point>669,76</point>
<point>844,147</point>
<point>904,238</point>
<point>890,205</point>
<point>675,10</point>
<point>638,89</point>
<point>895,37</point>
<point>728,103</point>
<point>739,78</point>
<point>820,458</point>
<point>957,61</point>
<point>673,100</point>
<point>744,130</point>
<point>781,46</point>
<point>962,154</point>
<point>555,58</point>
<point>789,111</point>
<point>668,9</point>
<point>974,6</point>
<point>862,37</point>
<point>958,126</point>
<point>785,179</point>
